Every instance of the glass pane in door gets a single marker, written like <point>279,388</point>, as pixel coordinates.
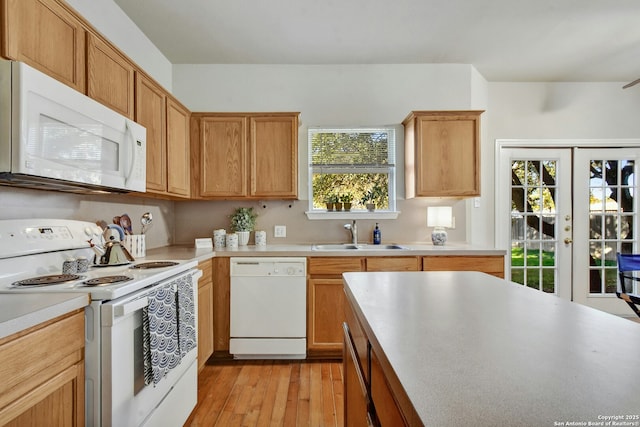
<point>534,218</point>
<point>611,220</point>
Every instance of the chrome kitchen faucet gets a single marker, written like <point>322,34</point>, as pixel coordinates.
<point>353,228</point>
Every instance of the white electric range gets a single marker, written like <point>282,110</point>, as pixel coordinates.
<point>129,377</point>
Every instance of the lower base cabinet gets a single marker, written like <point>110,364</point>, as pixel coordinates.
<point>326,297</point>
<point>387,411</point>
<point>356,396</point>
<point>205,313</point>
<point>42,371</point>
<point>368,399</point>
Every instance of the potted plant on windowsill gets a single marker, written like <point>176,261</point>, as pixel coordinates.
<point>243,222</point>
<point>331,201</point>
<point>369,198</point>
<point>346,200</point>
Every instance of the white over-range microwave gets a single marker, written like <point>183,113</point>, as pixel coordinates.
<point>54,137</point>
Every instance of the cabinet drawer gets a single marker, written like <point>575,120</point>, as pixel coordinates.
<point>486,264</point>
<point>393,263</point>
<point>331,265</point>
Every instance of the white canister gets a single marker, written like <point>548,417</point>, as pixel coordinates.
<point>136,245</point>
<point>261,238</point>
<point>219,237</point>
<point>232,241</point>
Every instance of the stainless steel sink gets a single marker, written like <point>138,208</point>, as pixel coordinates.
<point>351,247</point>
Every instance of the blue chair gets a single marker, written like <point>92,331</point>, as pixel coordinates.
<point>627,264</point>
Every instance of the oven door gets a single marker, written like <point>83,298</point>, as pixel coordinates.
<point>126,399</point>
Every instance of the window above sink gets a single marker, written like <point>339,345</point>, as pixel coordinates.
<point>353,168</point>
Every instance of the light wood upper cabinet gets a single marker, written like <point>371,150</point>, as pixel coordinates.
<point>110,76</point>
<point>442,154</point>
<point>45,35</point>
<point>178,149</point>
<point>245,155</point>
<point>222,154</point>
<point>274,156</point>
<point>168,148</point>
<point>151,113</point>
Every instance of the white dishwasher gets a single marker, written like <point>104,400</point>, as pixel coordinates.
<point>268,308</point>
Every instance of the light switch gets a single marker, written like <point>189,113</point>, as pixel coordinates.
<point>280,231</point>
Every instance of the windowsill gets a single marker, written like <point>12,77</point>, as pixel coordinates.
<point>356,214</point>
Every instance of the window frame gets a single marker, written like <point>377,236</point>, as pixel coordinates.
<point>390,170</point>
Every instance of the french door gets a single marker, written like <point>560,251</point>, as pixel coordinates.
<point>568,210</point>
<point>536,207</point>
<point>605,183</point>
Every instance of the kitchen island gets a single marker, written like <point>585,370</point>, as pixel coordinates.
<point>467,348</point>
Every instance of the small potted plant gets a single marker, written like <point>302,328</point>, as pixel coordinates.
<point>243,222</point>
<point>330,201</point>
<point>346,200</point>
<point>369,198</point>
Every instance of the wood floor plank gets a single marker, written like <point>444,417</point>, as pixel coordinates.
<point>315,396</point>
<point>264,419</point>
<point>280,403</point>
<point>291,410</point>
<point>328,410</point>
<point>269,393</point>
<point>214,393</point>
<point>338,392</point>
<point>304,395</point>
<point>257,399</point>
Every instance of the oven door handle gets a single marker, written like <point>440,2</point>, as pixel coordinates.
<point>130,307</point>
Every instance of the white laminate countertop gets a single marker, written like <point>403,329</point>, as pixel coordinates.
<point>302,249</point>
<point>472,349</point>
<point>19,311</point>
<point>22,311</point>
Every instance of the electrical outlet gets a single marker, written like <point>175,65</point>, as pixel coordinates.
<point>280,231</point>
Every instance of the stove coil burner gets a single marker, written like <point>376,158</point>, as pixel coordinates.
<point>106,280</point>
<point>154,264</point>
<point>54,279</point>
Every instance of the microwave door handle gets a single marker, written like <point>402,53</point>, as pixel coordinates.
<point>129,133</point>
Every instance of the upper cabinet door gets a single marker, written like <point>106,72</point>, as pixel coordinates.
<point>45,35</point>
<point>274,156</point>
<point>110,78</point>
<point>442,154</point>
<point>223,156</point>
<point>178,169</point>
<point>245,155</point>
<point>151,113</point>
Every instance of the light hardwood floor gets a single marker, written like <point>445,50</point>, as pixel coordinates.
<point>269,393</point>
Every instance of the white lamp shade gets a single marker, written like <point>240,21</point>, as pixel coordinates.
<point>439,216</point>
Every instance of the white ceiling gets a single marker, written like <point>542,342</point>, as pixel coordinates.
<point>506,40</point>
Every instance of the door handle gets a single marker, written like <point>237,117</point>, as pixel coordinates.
<point>125,309</point>
<point>568,240</point>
